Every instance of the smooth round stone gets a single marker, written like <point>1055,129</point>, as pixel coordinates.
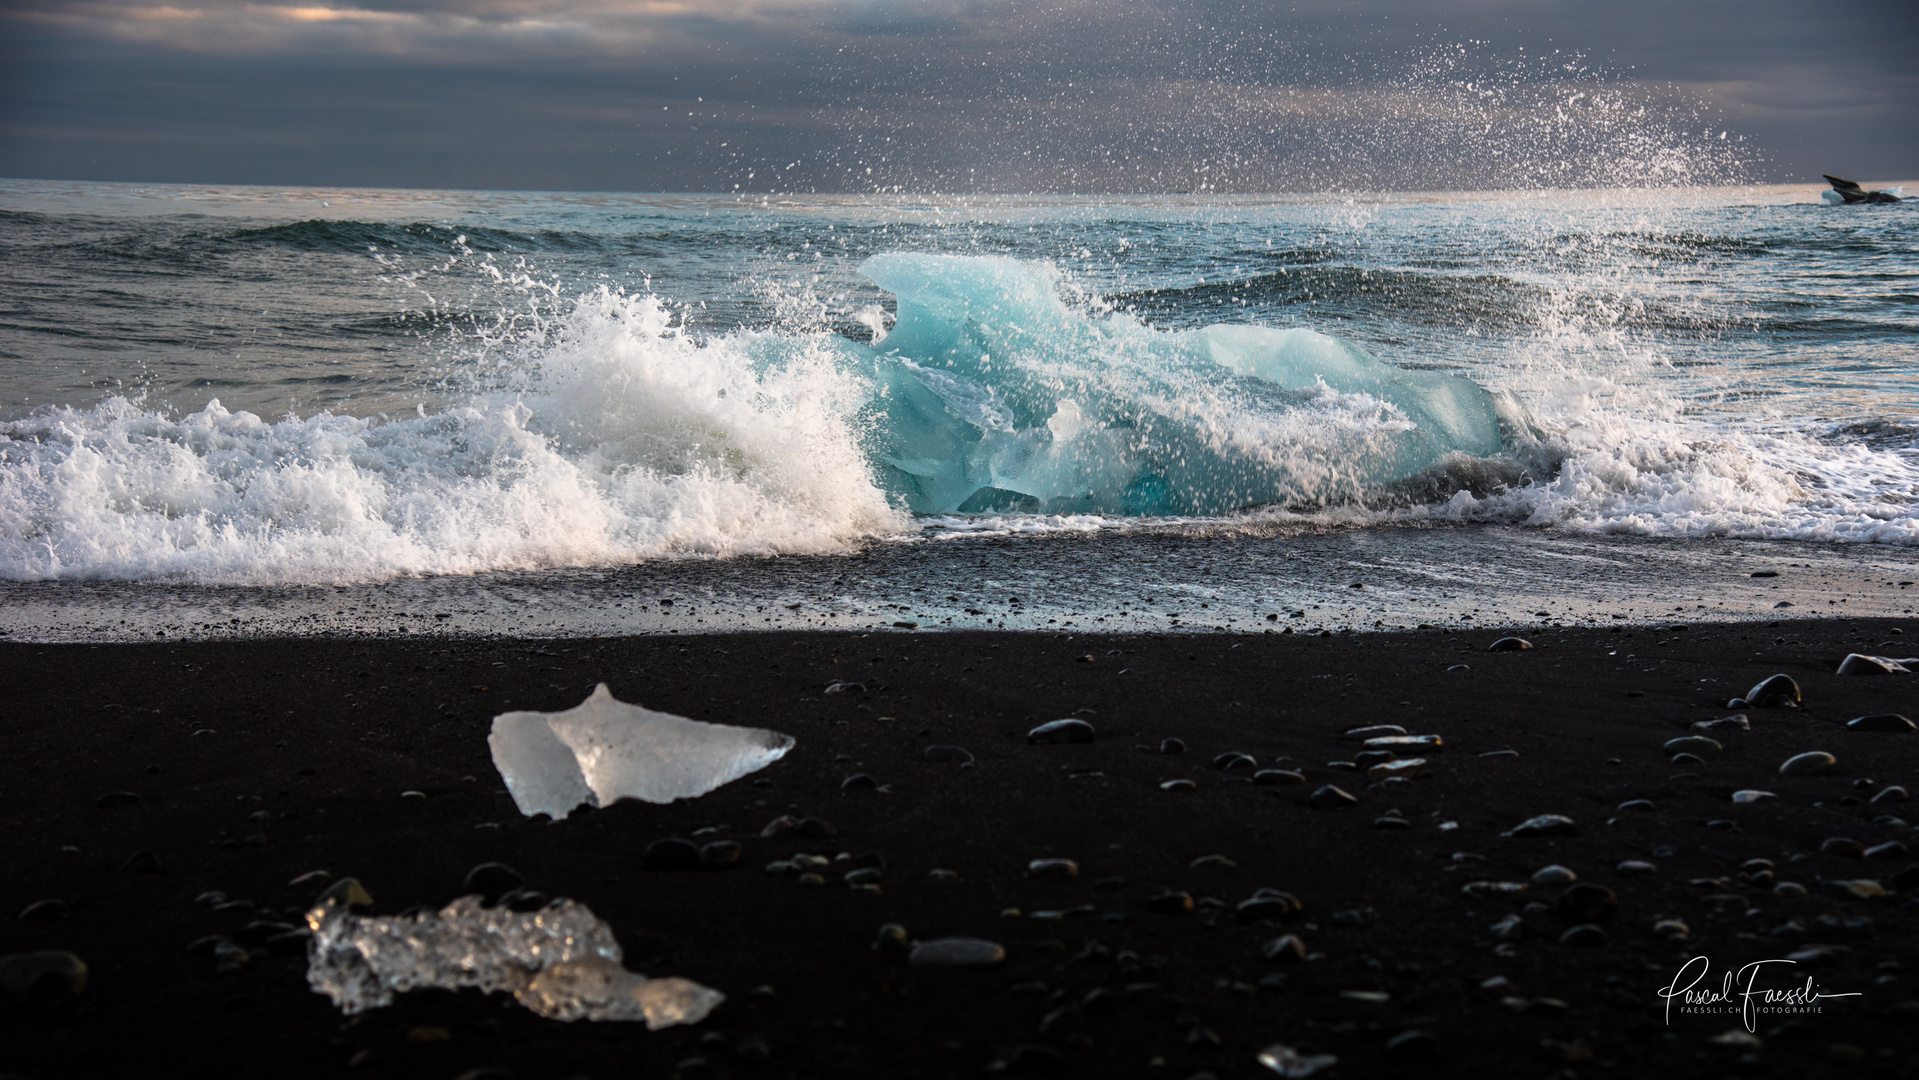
<point>1170,903</point>
<point>1859,664</point>
<point>1500,754</point>
<point>1892,723</point>
<point>813,828</point>
<point>1584,936</point>
<point>1277,906</point>
<point>1062,731</point>
<point>1891,849</point>
<point>948,753</point>
<point>1287,948</point>
<point>1636,866</point>
<point>41,979</point>
<point>1636,806</point>
<point>1554,875</point>
<point>1402,769</point>
<point>1671,929</point>
<point>1292,1064</point>
<point>943,876</point>
<point>1366,759</point>
<point>1212,862</point>
<point>671,853</point>
<point>1692,744</point>
<point>1544,825</point>
<point>1178,785</point>
<point>492,880</point>
<point>859,782</point>
<point>1233,759</point>
<point>49,910</point>
<point>1844,847</point>
<point>1586,902</point>
<point>1811,763</point>
<point>1789,888</point>
<point>1278,776</point>
<point>1056,869</point>
<point>720,854</point>
<point>1890,794</point>
<point>312,879</point>
<point>1862,888</point>
<point>1374,731</point>
<point>143,862</point>
<point>1735,722</point>
<point>1752,795</point>
<point>1413,1047</point>
<point>1172,746</point>
<point>1415,743</point>
<point>1774,691</point>
<point>1331,797</point>
<point>957,952</point>
<point>865,875</point>
<point>1509,644</point>
<point>1688,759</point>
<point>1391,823</point>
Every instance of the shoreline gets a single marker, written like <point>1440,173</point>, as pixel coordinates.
<point>256,761</point>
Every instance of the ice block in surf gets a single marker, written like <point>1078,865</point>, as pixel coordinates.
<point>995,394</point>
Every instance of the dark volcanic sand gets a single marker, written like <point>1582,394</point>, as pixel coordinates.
<point>322,736</point>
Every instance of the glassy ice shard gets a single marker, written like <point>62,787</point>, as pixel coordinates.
<point>605,749</point>
<point>561,962</point>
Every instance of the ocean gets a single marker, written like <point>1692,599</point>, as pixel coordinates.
<point>243,411</point>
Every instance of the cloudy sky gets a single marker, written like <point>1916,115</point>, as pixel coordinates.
<point>957,95</point>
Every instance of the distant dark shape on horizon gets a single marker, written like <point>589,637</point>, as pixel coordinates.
<point>1850,192</point>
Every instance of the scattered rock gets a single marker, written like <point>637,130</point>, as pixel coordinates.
<point>1636,806</point>
<point>1287,948</point>
<point>1331,797</point>
<point>310,879</point>
<point>1587,902</point>
<point>1055,869</point>
<point>1544,825</point>
<point>1890,794</point>
<point>143,862</point>
<point>948,753</point>
<point>1891,849</point>
<point>1170,903</point>
<point>1774,691</point>
<point>720,854</point>
<point>491,881</point>
<point>1291,1064</point>
<point>1172,746</point>
<point>1404,768</point>
<point>859,782</point>
<point>1413,1047</point>
<point>671,853</point>
<point>1811,763</point>
<point>1751,795</point>
<point>1392,822</point>
<point>1221,862</point>
<point>1233,759</point>
<point>1671,929</point>
<point>1692,744</point>
<point>1062,731</point>
<point>1430,744</point>
<point>1374,731</point>
<point>1583,936</point>
<point>957,952</point>
<point>1509,644</point>
<point>1267,904</point>
<point>1279,776</point>
<point>1554,875</point>
<point>1861,888</point>
<point>41,980</point>
<point>1178,785</point>
<point>1636,866</point>
<point>1860,664</point>
<point>1894,723</point>
<point>1735,722</point>
<point>1844,847</point>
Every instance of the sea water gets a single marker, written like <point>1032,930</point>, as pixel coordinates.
<point>800,409</point>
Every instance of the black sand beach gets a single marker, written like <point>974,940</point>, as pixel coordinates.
<point>257,761</point>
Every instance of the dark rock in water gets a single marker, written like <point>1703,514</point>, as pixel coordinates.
<point>813,828</point>
<point>1172,746</point>
<point>859,782</point>
<point>1893,723</point>
<point>143,862</point>
<point>1544,825</point>
<point>671,853</point>
<point>1170,903</point>
<point>948,753</point>
<point>1775,691</point>
<point>1035,1060</point>
<point>118,798</point>
<point>1278,776</point>
<point>1586,902</point>
<point>492,880</point>
<point>1330,797</point>
<point>1509,644</point>
<point>957,952</point>
<point>1232,759</point>
<point>524,901</point>
<point>1287,948</point>
<point>720,854</point>
<point>1844,847</point>
<point>1062,731</point>
<point>49,910</point>
<point>41,980</point>
<point>1583,936</point>
<point>1891,849</point>
<point>1057,869</point>
<point>1413,1047</point>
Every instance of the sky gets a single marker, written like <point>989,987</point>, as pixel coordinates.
<point>958,95</point>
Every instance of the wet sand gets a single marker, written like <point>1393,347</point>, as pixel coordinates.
<point>256,761</point>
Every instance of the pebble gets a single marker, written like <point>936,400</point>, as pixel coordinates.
<point>1858,664</point>
<point>948,753</point>
<point>1413,1047</point>
<point>1354,917</point>
<point>1891,849</point>
<point>49,910</point>
<point>1554,875</point>
<point>1500,754</point>
<point>1279,776</point>
<point>859,782</point>
<point>957,952</point>
<point>1178,785</point>
<point>1844,847</point>
<point>1062,731</point>
<point>1425,743</point>
<point>1510,928</point>
<point>1639,805</point>
<point>1789,888</point>
<point>1294,1065</point>
<point>1892,793</point>
<point>1404,768</point>
<point>1392,822</point>
<point>1692,744</point>
<point>118,798</point>
<point>1479,890</point>
<point>1221,862</point>
<point>1862,888</point>
<point>865,875</point>
<point>1509,644</point>
<point>310,879</point>
<point>1888,722</point>
<point>1811,763</point>
<point>1057,869</point>
<point>1170,903</point>
<point>1752,795</point>
<point>671,853</point>
<point>1267,904</point>
<point>1233,759</point>
<point>143,862</point>
<point>720,854</point>
<point>1544,825</point>
<point>1636,866</point>
<point>1736,721</point>
<point>945,877</point>
<point>1331,796</point>
<point>1587,902</point>
<point>42,979</point>
<point>1287,948</point>
<point>1671,929</point>
<point>1584,936</point>
<point>1374,731</point>
<point>492,880</point>
<point>1774,691</point>
<point>1687,759</point>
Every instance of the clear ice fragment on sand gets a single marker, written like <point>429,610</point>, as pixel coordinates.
<point>561,962</point>
<point>604,749</point>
